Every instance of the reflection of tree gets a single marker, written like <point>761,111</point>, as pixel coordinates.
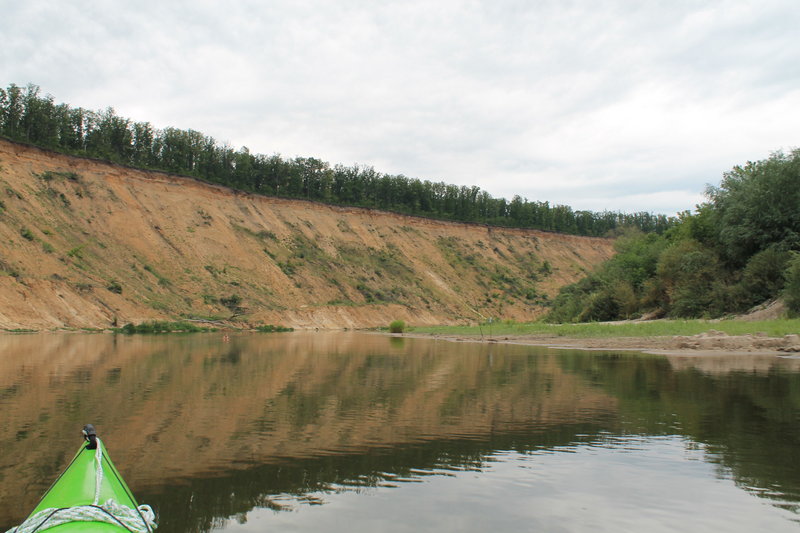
<point>203,503</point>
<point>747,420</point>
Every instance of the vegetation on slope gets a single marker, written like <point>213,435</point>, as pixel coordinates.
<point>738,249</point>
<point>93,245</point>
<point>27,116</point>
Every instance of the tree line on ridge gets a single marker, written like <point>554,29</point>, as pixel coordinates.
<point>28,116</point>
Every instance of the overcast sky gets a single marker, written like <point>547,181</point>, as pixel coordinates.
<point>619,105</point>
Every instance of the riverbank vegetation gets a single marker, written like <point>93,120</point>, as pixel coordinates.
<point>653,328</point>
<point>27,116</point>
<point>737,250</point>
<point>269,328</point>
<point>159,326</point>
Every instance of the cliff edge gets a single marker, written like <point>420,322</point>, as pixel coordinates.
<point>88,244</point>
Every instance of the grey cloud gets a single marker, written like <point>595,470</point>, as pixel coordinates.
<point>607,103</point>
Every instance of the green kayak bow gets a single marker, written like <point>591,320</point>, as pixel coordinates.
<point>90,495</point>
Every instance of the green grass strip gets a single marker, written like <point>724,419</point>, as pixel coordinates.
<point>655,328</point>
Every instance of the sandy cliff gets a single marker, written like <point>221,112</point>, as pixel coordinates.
<point>90,244</point>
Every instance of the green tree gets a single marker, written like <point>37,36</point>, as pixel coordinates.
<point>791,292</point>
<point>758,205</point>
<point>688,272</point>
<point>762,278</point>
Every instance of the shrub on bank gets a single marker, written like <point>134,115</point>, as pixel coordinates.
<point>735,251</point>
<point>791,291</point>
<point>157,326</point>
<point>269,328</point>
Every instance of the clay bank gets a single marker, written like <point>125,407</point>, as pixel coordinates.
<point>88,244</point>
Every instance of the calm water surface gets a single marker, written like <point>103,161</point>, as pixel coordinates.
<point>348,432</point>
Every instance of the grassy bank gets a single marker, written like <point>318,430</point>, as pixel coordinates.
<point>656,328</point>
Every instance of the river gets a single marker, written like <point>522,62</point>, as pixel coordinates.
<point>351,432</point>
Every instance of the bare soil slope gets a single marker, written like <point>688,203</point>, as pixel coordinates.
<point>88,244</point>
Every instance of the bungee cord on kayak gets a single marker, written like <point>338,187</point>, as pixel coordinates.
<point>140,519</point>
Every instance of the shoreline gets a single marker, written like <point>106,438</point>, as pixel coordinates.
<point>711,342</point>
<point>708,343</point>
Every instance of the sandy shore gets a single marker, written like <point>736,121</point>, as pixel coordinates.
<point>711,342</point>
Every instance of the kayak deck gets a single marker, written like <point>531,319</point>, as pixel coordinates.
<point>90,495</point>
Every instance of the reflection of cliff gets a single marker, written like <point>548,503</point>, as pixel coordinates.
<point>206,429</point>
<point>181,407</point>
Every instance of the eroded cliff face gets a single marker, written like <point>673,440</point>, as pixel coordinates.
<point>88,244</point>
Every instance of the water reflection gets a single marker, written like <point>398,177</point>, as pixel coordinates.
<point>207,430</point>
